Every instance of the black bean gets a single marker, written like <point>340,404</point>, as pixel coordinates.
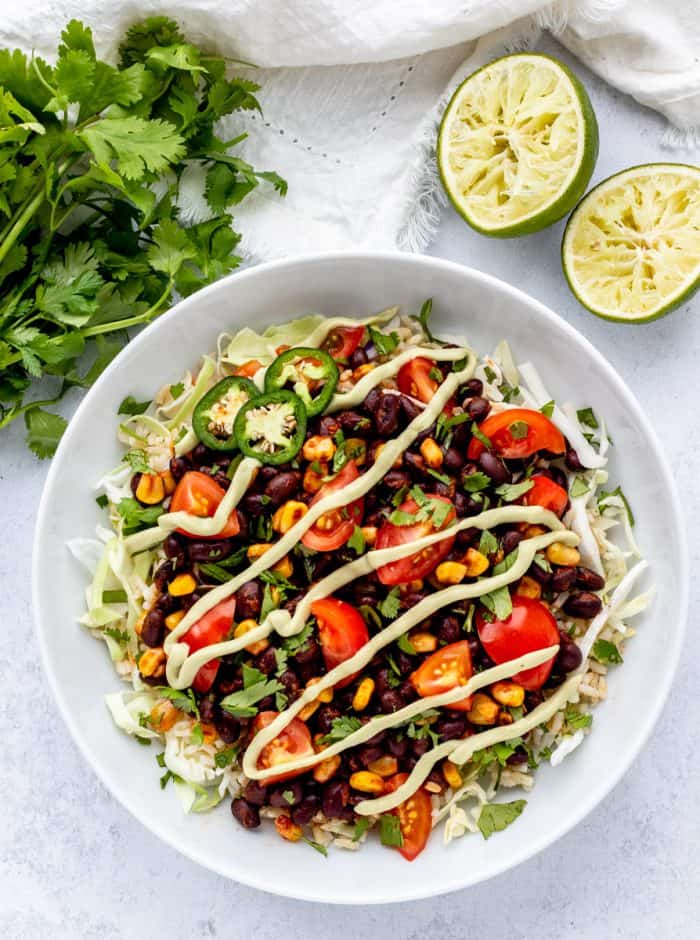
<point>398,747</point>
<point>308,653</point>
<point>207,709</point>
<point>445,489</point>
<point>286,795</point>
<point>167,603</point>
<point>390,701</point>
<point>562,579</point>
<point>569,656</point>
<point>475,650</point>
<point>290,683</point>
<point>265,474</point>
<point>467,537</point>
<point>334,798</point>
<point>267,661</point>
<point>449,629</point>
<point>396,479</point>
<point>466,506</point>
<point>454,459</point>
<point>352,422</point>
<point>583,604</point>
<point>493,468</point>
<point>478,409</point>
<point>436,778</point>
<point>368,754</point>
<point>371,402</point>
<point>412,598</point>
<point>210,551</point>
<point>255,504</point>
<point>162,575</point>
<point>539,574</point>
<point>420,746</point>
<point>403,662</point>
<point>255,793</point>
<point>189,600</point>
<point>519,756</point>
<point>409,408</point>
<point>471,388</point>
<point>218,477</point>
<point>533,699</point>
<point>450,728</point>
<point>328,426</point>
<point>384,679</point>
<point>510,540</point>
<point>572,460</point>
<point>179,467</point>
<point>201,456</point>
<point>227,727</point>
<point>266,704</point>
<point>590,580</point>
<point>153,629</point>
<point>134,483</point>
<point>173,546</point>
<point>248,600</point>
<point>415,463</point>
<point>304,812</point>
<point>358,358</point>
<point>386,416</point>
<point>246,814</point>
<point>325,716</point>
<point>559,477</point>
<point>282,487</point>
<point>407,692</point>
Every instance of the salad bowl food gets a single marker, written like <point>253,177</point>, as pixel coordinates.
<point>361,585</point>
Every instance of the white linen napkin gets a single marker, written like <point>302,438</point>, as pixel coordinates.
<point>352,91</point>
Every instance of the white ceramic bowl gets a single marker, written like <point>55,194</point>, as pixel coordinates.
<point>484,310</point>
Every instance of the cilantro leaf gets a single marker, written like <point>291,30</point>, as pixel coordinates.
<point>184,700</point>
<point>480,436</point>
<point>135,515</point>
<point>576,719</point>
<point>495,817</point>
<point>138,461</point>
<point>587,417</point>
<point>361,827</point>
<point>519,430</point>
<point>44,431</point>
<point>604,497</point>
<point>139,146</point>
<point>423,317</point>
<point>606,652</point>
<point>548,409</point>
<point>512,491</point>
<point>242,704</point>
<point>488,543</point>
<point>341,728</point>
<point>226,756</point>
<point>385,343</point>
<point>356,541</point>
<point>390,605</point>
<point>498,602</point>
<point>390,830</point>
<point>321,849</point>
<point>130,406</point>
<point>476,482</point>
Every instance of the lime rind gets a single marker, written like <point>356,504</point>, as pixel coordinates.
<point>631,249</point>
<point>517,145</point>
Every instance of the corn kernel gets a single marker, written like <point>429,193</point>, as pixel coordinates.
<point>288,515</point>
<point>287,829</point>
<point>318,447</point>
<point>508,693</point>
<point>532,531</point>
<point>181,585</point>
<point>168,481</point>
<point>138,626</point>
<point>453,777</point>
<point>484,710</point>
<point>364,369</point>
<point>369,533</point>
<point>565,555</point>
<point>411,586</point>
<point>528,587</point>
<point>431,452</point>
<point>249,368</point>
<point>313,479</point>
<point>172,620</point>
<point>164,715</point>
<point>318,742</point>
<point>150,489</point>
<point>152,662</point>
<point>432,786</point>
<point>356,450</point>
<point>257,646</point>
<point>377,451</point>
<point>450,572</point>
<point>308,709</point>
<point>366,782</point>
<point>476,563</point>
<point>326,695</point>
<point>384,766</point>
<point>505,718</point>
<point>209,732</point>
<point>363,694</point>
<point>423,642</point>
<point>326,769</point>
<point>255,551</point>
<point>283,567</point>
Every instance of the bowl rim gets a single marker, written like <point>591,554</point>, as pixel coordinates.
<point>595,795</point>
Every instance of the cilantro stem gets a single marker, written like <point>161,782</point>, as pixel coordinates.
<point>130,321</point>
<point>13,413</point>
<point>20,224</point>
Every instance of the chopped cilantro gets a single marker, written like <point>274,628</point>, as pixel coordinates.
<point>405,645</point>
<point>389,606</point>
<point>548,409</point>
<point>102,500</point>
<point>135,515</point>
<point>487,543</point>
<point>587,417</point>
<point>480,436</point>
<point>185,701</point>
<point>542,562</point>
<point>130,406</point>
<point>177,389</point>
<point>495,817</point>
<point>119,636</point>
<point>604,497</point>
<point>512,491</point>
<point>390,830</point>
<point>341,728</point>
<point>226,756</point>
<point>114,597</point>
<point>578,488</point>
<point>507,562</point>
<point>519,430</point>
<point>476,482</point>
<point>606,652</point>
<point>385,343</point>
<point>498,602</point>
<point>361,827</point>
<point>138,461</point>
<point>442,477</point>
<point>509,392</point>
<point>576,719</point>
<point>296,643</point>
<point>423,317</point>
<point>316,845</point>
<point>490,374</point>
<point>242,704</point>
<point>197,735</point>
<point>357,541</point>
<point>435,374</point>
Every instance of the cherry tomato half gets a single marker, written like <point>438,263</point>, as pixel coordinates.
<point>444,670</point>
<point>423,562</point>
<point>518,432</point>
<point>341,630</point>
<point>342,341</point>
<point>546,493</point>
<point>530,627</point>
<point>335,527</point>
<point>415,818</point>
<point>212,628</point>
<point>292,743</point>
<point>414,379</point>
<point>199,495</point>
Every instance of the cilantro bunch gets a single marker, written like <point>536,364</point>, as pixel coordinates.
<point>91,160</point>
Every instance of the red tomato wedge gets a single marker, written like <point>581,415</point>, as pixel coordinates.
<point>546,493</point>
<point>444,670</point>
<point>212,628</point>
<point>530,627</point>
<point>248,369</point>
<point>518,432</point>
<point>199,495</point>
<point>342,341</point>
<point>334,528</point>
<point>292,743</point>
<point>342,632</point>
<point>415,818</point>
<point>423,562</point>
<point>414,379</point>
